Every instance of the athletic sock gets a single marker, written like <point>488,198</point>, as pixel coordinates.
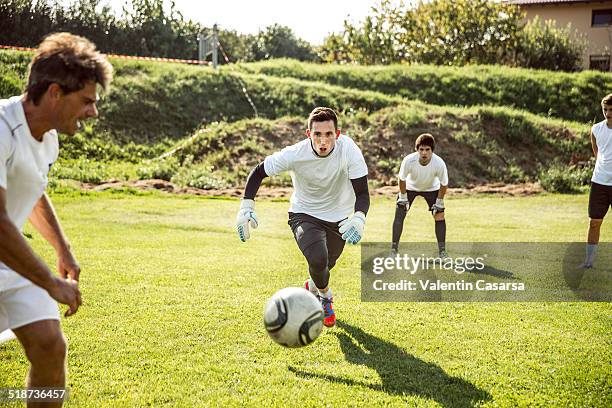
<point>441,234</point>
<point>591,249</point>
<point>398,224</point>
<point>326,295</point>
<point>395,246</point>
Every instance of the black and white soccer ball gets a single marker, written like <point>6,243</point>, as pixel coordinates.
<point>293,317</point>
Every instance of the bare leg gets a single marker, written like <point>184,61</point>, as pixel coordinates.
<point>594,230</point>
<point>45,348</point>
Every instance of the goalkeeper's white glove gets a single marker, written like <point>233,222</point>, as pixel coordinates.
<point>352,228</point>
<point>438,207</point>
<point>402,199</point>
<point>246,215</point>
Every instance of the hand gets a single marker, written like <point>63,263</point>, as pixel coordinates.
<point>438,207</point>
<point>402,199</point>
<point>66,291</point>
<point>246,215</point>
<point>352,228</point>
<point>67,266</point>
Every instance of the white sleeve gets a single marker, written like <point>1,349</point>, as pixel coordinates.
<point>403,172</point>
<point>357,166</point>
<point>6,150</point>
<point>280,161</point>
<point>443,174</point>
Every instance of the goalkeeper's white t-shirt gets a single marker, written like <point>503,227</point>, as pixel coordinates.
<point>322,185</point>
<point>423,178</point>
<point>24,166</point>
<point>603,165</point>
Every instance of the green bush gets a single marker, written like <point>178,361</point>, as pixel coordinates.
<point>198,177</point>
<point>163,169</point>
<point>567,179</point>
<point>543,45</point>
<point>83,170</point>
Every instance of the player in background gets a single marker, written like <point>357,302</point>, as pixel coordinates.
<point>600,197</point>
<point>329,203</point>
<point>422,173</point>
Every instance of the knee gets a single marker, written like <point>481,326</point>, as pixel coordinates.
<point>48,350</point>
<point>317,262</point>
<point>595,223</point>
<point>439,216</point>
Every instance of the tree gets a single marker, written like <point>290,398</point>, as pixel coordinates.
<point>278,41</point>
<point>544,45</point>
<point>452,32</point>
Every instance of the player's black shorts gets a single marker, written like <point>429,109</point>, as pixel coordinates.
<point>429,196</point>
<point>600,200</point>
<point>308,230</point>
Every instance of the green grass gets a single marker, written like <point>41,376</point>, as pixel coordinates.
<point>173,314</point>
<point>573,96</point>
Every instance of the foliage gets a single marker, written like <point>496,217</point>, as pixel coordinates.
<point>279,41</point>
<point>543,45</point>
<point>574,96</point>
<point>162,169</point>
<point>453,32</point>
<point>567,179</point>
<point>146,27</point>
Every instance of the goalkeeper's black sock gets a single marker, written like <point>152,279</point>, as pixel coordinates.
<point>441,234</point>
<point>398,225</point>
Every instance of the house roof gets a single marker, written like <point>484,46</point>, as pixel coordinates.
<point>538,2</point>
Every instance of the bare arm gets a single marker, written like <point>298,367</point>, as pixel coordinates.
<point>402,186</point>
<point>17,255</point>
<point>442,192</point>
<point>594,144</point>
<point>45,220</point>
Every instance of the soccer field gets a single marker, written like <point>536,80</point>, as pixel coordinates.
<point>173,302</point>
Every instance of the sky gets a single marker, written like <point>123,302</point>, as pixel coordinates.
<point>311,20</point>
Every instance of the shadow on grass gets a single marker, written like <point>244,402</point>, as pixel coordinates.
<point>400,373</point>
<point>492,271</point>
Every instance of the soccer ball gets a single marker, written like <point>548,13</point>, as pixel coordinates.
<point>293,317</point>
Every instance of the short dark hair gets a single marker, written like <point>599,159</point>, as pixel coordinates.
<point>425,139</point>
<point>322,114</point>
<point>69,61</point>
<point>607,100</point>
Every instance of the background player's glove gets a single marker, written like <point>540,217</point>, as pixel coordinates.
<point>402,199</point>
<point>246,216</point>
<point>438,207</point>
<point>352,228</point>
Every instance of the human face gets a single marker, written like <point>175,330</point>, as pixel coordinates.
<point>74,107</point>
<point>607,112</point>
<point>323,136</point>
<point>425,154</point>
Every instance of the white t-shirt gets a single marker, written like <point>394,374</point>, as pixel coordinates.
<point>423,178</point>
<point>322,185</point>
<point>24,166</point>
<point>603,165</point>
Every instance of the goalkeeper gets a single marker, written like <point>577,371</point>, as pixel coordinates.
<point>329,203</point>
<point>422,173</point>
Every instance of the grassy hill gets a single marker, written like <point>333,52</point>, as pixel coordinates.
<point>571,96</point>
<point>155,107</point>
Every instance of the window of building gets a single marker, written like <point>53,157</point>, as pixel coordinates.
<point>601,18</point>
<point>599,62</point>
